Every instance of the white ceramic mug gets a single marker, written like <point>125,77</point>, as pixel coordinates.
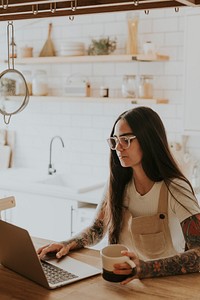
<point>111,255</point>
<point>149,48</point>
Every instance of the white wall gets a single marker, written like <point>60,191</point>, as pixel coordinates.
<point>85,125</point>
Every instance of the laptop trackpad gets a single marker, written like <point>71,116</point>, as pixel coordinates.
<point>74,266</point>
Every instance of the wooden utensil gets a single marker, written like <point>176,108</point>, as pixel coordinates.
<point>48,48</point>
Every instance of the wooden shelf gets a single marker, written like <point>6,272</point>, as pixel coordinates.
<point>101,99</point>
<point>91,59</point>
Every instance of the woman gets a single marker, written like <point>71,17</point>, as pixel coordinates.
<point>148,205</point>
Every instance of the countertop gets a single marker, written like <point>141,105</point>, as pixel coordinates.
<point>32,181</point>
<point>179,287</point>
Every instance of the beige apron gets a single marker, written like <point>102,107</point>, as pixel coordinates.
<point>149,236</point>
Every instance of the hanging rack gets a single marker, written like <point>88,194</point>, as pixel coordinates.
<point>27,9</point>
<point>53,7</point>
<point>4,6</point>
<point>35,9</point>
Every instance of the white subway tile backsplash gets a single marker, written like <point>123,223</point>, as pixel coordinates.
<point>124,68</point>
<point>174,39</point>
<point>84,125</point>
<point>116,29</point>
<point>102,18</point>
<point>165,82</point>
<point>99,69</point>
<point>145,26</point>
<point>165,25</point>
<point>174,68</point>
<point>154,68</point>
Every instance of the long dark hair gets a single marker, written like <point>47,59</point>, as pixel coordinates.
<point>157,162</point>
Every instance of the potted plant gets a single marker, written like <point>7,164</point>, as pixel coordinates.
<point>103,46</point>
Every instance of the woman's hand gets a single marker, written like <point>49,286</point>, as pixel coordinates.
<point>59,249</point>
<point>125,268</point>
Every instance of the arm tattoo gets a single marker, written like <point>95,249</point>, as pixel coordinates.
<point>187,262</point>
<point>90,236</point>
<point>191,231</point>
<point>93,233</point>
<point>183,263</point>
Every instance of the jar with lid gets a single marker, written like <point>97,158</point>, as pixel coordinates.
<point>39,83</point>
<point>129,86</point>
<point>145,90</point>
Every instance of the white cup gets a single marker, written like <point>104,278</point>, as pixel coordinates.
<point>149,48</point>
<point>111,255</point>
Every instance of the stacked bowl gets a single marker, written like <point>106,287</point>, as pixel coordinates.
<point>71,49</point>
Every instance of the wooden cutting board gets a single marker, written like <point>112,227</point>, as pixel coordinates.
<point>5,153</point>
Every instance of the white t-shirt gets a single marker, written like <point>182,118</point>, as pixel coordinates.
<point>148,205</point>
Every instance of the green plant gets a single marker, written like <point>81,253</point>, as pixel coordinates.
<point>102,46</point>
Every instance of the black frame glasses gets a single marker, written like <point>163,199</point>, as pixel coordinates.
<point>124,141</point>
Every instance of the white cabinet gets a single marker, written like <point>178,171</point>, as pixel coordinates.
<point>82,216</point>
<point>192,78</point>
<point>48,217</point>
<point>43,216</point>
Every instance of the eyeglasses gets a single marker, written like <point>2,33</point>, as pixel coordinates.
<point>124,141</point>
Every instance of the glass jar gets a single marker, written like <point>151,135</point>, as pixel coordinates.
<point>28,77</point>
<point>20,86</point>
<point>39,83</point>
<point>145,90</point>
<point>129,86</point>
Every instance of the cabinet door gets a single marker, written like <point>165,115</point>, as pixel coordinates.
<point>192,77</point>
<point>42,216</point>
<point>83,217</point>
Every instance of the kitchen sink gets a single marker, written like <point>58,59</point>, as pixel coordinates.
<point>73,183</point>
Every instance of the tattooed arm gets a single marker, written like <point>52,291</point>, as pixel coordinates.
<point>183,263</point>
<point>89,236</point>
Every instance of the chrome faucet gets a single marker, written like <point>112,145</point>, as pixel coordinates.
<point>51,169</point>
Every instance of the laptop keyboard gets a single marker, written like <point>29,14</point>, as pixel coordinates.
<point>55,274</point>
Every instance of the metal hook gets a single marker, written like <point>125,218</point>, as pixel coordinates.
<point>146,11</point>
<point>8,120</point>
<point>35,9</point>
<point>176,9</point>
<point>74,6</point>
<point>71,18</point>
<point>4,6</point>
<point>136,2</point>
<point>53,9</point>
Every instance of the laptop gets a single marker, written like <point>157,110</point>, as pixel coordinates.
<point>18,253</point>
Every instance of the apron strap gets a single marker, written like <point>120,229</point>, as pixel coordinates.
<point>163,199</point>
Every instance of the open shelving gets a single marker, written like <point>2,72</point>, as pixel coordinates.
<point>91,59</point>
